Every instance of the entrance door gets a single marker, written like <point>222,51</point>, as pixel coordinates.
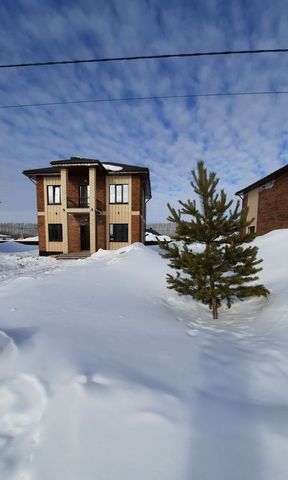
<point>85,237</point>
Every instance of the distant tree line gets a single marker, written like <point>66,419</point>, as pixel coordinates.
<point>19,230</point>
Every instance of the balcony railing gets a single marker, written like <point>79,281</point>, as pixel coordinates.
<point>83,202</point>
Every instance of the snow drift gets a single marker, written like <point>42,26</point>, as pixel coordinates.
<point>111,375</point>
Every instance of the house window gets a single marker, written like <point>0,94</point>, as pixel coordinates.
<point>84,194</point>
<point>251,229</point>
<point>118,194</point>
<point>118,232</point>
<point>55,232</point>
<point>54,194</point>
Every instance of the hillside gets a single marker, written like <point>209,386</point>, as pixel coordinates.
<point>105,374</point>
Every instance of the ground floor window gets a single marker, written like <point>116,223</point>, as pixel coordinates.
<point>118,232</point>
<point>55,232</point>
<point>251,229</point>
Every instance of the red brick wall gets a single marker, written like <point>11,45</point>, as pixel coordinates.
<point>138,205</point>
<point>101,231</point>
<point>136,193</point>
<point>101,219</point>
<point>41,233</point>
<point>136,228</point>
<point>101,191</point>
<point>74,243</point>
<point>40,194</point>
<point>273,206</point>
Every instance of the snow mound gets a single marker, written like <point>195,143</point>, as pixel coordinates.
<point>12,246</point>
<point>128,380</point>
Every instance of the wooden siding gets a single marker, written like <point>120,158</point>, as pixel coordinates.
<point>53,214</point>
<point>252,203</point>
<point>118,213</point>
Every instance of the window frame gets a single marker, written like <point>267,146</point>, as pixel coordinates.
<point>53,194</point>
<point>252,229</point>
<point>124,236</point>
<point>87,187</point>
<point>52,238</point>
<point>116,187</point>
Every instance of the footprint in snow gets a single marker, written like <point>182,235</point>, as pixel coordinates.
<point>22,403</point>
<point>192,333</point>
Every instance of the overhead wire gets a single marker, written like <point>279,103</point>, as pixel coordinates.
<point>145,57</point>
<point>147,98</point>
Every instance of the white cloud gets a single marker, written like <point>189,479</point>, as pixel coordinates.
<point>242,138</point>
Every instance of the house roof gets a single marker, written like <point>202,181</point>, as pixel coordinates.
<point>76,161</point>
<point>41,171</point>
<point>262,181</point>
<point>152,231</point>
<point>115,169</point>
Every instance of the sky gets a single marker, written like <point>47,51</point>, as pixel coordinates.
<point>241,138</point>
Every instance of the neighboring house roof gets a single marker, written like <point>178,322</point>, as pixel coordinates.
<point>272,176</point>
<point>152,238</point>
<point>151,230</point>
<point>111,168</point>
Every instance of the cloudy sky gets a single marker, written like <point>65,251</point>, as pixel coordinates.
<point>242,138</point>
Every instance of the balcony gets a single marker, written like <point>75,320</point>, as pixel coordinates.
<point>81,202</point>
<point>84,202</point>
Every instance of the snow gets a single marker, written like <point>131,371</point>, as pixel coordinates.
<point>12,246</point>
<point>4,238</point>
<point>112,168</point>
<point>28,239</point>
<point>107,374</point>
<point>151,237</point>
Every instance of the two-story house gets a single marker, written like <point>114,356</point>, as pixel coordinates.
<point>267,202</point>
<point>86,204</point>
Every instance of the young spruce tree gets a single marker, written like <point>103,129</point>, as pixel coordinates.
<point>225,268</point>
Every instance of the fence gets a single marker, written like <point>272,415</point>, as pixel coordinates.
<point>19,230</point>
<point>23,230</point>
<point>162,228</point>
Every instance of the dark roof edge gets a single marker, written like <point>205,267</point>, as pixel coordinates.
<point>77,160</point>
<point>263,180</point>
<point>41,171</point>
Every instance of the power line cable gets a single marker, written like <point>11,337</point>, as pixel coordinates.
<point>146,57</point>
<point>155,97</point>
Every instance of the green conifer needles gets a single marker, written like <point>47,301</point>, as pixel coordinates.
<point>210,249</point>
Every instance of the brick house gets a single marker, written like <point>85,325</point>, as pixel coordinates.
<point>85,204</point>
<point>267,200</point>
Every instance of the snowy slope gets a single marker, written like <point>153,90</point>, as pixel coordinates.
<point>105,374</point>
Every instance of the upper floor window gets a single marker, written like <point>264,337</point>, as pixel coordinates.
<point>84,196</point>
<point>54,194</point>
<point>118,194</point>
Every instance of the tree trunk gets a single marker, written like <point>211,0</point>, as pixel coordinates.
<point>214,308</point>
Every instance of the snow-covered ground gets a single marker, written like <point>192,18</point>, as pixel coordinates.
<point>106,374</point>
